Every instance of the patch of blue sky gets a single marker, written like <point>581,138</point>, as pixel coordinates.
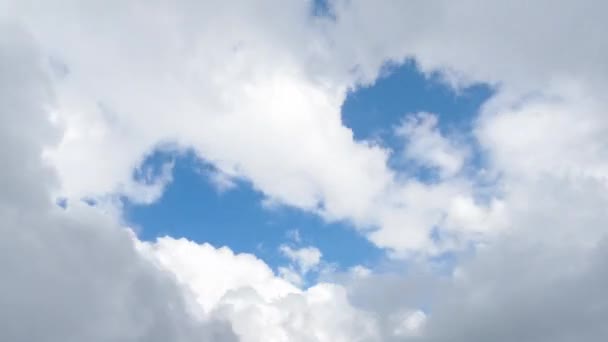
<point>320,8</point>
<point>374,111</point>
<point>193,208</point>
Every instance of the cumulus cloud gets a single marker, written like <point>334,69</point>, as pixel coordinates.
<point>73,274</point>
<point>302,261</point>
<point>261,306</point>
<point>306,258</point>
<point>246,99</point>
<point>195,265</point>
<point>513,44</point>
<point>428,147</point>
<point>261,101</point>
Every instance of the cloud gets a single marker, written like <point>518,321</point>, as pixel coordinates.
<point>260,305</point>
<point>70,274</point>
<point>514,44</point>
<point>303,260</point>
<point>261,101</point>
<point>525,288</point>
<point>428,147</point>
<point>306,258</point>
<point>322,313</point>
<point>76,274</point>
<point>211,272</point>
<point>251,101</point>
<point>408,323</point>
<point>263,108</point>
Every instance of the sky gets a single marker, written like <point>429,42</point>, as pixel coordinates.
<point>192,206</point>
<point>340,170</point>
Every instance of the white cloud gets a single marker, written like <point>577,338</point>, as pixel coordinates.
<point>195,265</point>
<point>359,271</point>
<point>261,107</point>
<point>291,275</point>
<point>70,275</point>
<point>302,261</point>
<point>521,46</point>
<point>564,137</point>
<point>75,274</point>
<point>260,305</point>
<point>306,258</point>
<point>261,101</point>
<point>221,181</point>
<point>427,146</point>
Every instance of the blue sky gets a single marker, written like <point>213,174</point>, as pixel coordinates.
<point>193,208</point>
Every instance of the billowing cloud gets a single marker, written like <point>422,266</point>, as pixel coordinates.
<point>305,258</point>
<point>88,90</point>
<point>260,305</point>
<point>260,101</point>
<point>426,146</point>
<point>74,274</point>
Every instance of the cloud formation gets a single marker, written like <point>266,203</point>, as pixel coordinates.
<point>70,275</point>
<point>244,100</point>
<point>88,90</point>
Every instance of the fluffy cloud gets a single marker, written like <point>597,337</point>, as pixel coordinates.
<point>261,101</point>
<point>306,258</point>
<point>75,274</point>
<point>261,306</point>
<point>520,46</point>
<point>428,147</point>
<point>69,275</point>
<point>195,265</point>
<point>302,261</point>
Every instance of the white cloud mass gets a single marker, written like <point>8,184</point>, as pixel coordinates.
<point>70,275</point>
<point>89,89</point>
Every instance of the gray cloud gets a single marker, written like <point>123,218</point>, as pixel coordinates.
<point>544,280</point>
<point>520,293</point>
<point>69,275</point>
